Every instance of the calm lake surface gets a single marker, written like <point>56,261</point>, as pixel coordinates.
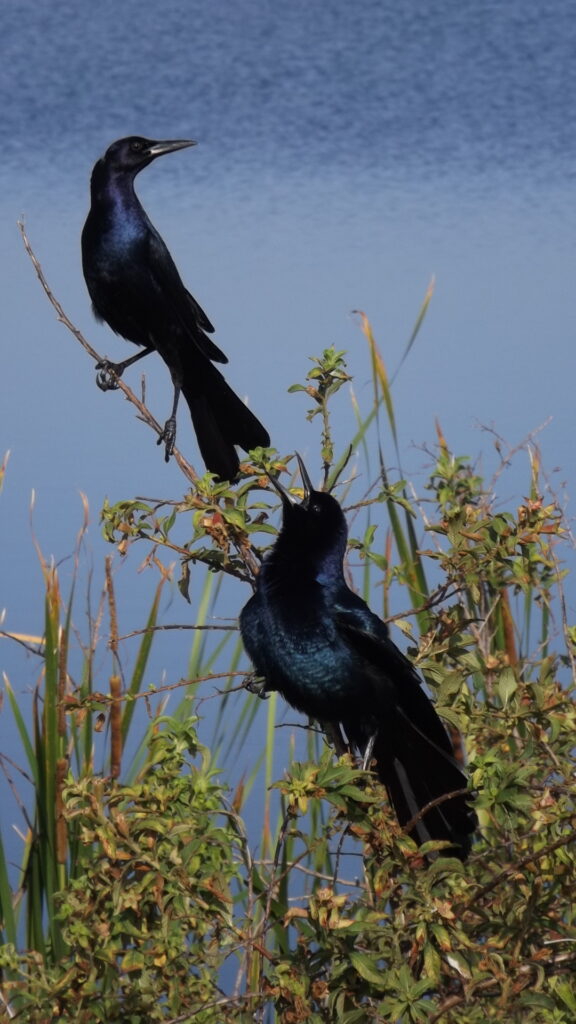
<point>347,153</point>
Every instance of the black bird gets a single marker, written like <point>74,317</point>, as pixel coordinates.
<point>135,287</point>
<point>319,645</point>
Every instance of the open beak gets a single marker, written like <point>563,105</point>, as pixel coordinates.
<point>306,481</point>
<point>158,148</point>
<point>290,499</point>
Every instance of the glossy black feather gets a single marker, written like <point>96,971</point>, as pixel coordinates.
<point>319,644</point>
<point>136,289</point>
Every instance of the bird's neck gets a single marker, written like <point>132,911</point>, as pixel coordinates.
<point>114,189</point>
<point>285,567</point>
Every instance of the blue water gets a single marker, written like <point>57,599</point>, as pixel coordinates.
<point>347,152</point>
<point>371,87</point>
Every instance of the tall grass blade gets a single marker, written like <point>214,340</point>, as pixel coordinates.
<point>419,321</point>
<point>7,916</point>
<point>142,657</point>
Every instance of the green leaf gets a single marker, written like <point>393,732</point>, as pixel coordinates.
<point>432,962</point>
<point>234,516</point>
<point>566,991</point>
<point>506,685</point>
<point>367,968</point>
<point>184,581</point>
<point>459,964</point>
<point>537,999</point>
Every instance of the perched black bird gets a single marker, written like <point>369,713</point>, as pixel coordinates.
<point>135,287</point>
<point>319,645</point>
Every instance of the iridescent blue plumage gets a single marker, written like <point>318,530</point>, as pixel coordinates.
<point>135,287</point>
<point>319,645</point>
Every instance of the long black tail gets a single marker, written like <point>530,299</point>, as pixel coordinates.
<point>221,420</point>
<point>419,768</point>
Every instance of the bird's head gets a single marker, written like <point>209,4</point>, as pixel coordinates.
<point>135,152</point>
<point>316,525</point>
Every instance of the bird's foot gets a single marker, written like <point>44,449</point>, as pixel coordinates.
<point>256,684</point>
<point>168,438</point>
<point>108,375</point>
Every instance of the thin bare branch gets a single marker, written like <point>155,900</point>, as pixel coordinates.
<point>144,413</point>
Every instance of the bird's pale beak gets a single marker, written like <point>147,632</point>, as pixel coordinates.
<point>158,148</point>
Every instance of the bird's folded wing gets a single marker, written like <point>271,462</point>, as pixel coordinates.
<point>368,635</point>
<point>199,315</point>
<point>180,303</point>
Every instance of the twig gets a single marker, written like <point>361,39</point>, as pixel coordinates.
<point>513,869</point>
<point>39,650</point>
<point>159,629</point>
<point>188,470</point>
<point>225,1001</point>
<point>433,803</point>
<point>288,818</point>
<point>556,965</point>
<point>245,552</point>
<point>8,1008</point>
<point>99,698</point>
<point>353,883</point>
